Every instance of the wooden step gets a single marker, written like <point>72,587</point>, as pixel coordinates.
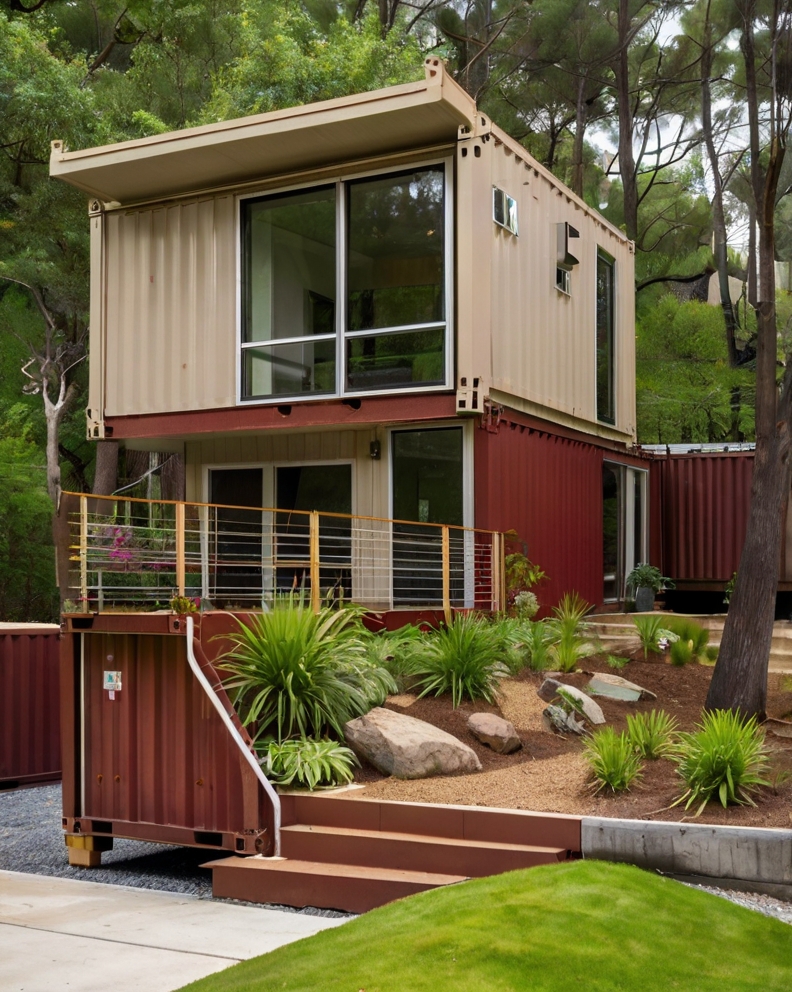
<point>412,852</point>
<point>294,882</point>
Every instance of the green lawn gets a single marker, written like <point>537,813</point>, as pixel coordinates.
<point>587,925</point>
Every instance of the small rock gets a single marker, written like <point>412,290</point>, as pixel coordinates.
<point>554,718</point>
<point>592,711</point>
<point>615,687</point>
<point>495,732</point>
<point>404,747</point>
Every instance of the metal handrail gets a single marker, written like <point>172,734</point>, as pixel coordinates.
<point>247,754</point>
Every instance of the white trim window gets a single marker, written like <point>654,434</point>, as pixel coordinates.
<point>346,287</point>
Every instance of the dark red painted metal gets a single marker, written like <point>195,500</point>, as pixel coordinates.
<point>157,762</point>
<point>702,500</point>
<point>549,490</point>
<point>29,704</point>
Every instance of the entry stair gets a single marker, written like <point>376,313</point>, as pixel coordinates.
<point>355,854</point>
<point>616,632</point>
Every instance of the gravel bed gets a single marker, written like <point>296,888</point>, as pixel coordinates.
<point>768,905</point>
<point>31,840</point>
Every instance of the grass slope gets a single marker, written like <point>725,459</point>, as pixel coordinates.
<point>585,924</point>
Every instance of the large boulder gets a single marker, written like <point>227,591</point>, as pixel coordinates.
<point>404,747</point>
<point>615,687</point>
<point>495,732</point>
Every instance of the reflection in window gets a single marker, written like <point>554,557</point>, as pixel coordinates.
<point>396,359</point>
<point>606,403</point>
<point>289,292</point>
<point>395,257</point>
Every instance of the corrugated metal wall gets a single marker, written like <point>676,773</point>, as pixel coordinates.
<point>30,748</point>
<point>543,341</point>
<point>548,489</point>
<point>158,753</point>
<point>702,501</point>
<point>171,307</point>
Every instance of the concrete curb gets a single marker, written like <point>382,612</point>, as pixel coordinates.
<point>752,854</point>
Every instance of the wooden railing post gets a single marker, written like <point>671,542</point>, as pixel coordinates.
<point>314,558</point>
<point>180,559</point>
<point>84,552</point>
<point>446,574</point>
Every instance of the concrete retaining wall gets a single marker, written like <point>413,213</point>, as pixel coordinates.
<point>746,853</point>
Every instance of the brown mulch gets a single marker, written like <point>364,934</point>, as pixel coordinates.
<point>549,774</point>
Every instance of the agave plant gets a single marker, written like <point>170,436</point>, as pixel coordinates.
<point>293,672</point>
<point>465,658</point>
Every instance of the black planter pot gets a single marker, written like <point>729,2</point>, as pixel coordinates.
<point>644,599</point>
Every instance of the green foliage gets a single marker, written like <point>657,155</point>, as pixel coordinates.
<point>688,630</point>
<point>537,639</point>
<point>612,758</point>
<point>465,658</point>
<point>648,576</point>
<point>311,764</point>
<point>614,661</point>
<point>726,758</point>
<point>183,604</point>
<point>681,653</point>
<point>571,610</point>
<point>568,632</point>
<point>526,605</point>
<point>650,630</point>
<point>728,591</point>
<point>293,672</point>
<point>652,735</point>
<point>521,573</point>
<point>391,649</point>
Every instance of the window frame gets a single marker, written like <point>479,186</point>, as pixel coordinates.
<point>603,255</point>
<point>341,332</point>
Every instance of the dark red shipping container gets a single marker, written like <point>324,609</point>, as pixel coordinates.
<point>29,704</point>
<point>153,760</point>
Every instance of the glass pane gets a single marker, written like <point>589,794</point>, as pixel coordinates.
<point>289,369</point>
<point>606,406</point>
<point>290,265</point>
<point>396,247</point>
<point>611,479</point>
<point>391,360</point>
<point>235,536</point>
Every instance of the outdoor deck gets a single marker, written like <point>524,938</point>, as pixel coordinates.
<point>127,553</point>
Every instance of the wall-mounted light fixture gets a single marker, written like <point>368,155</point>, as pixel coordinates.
<point>375,450</point>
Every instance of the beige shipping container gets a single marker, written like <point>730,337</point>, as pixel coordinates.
<point>165,300</point>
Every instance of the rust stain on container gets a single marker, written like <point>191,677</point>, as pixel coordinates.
<point>157,762</point>
<point>29,704</point>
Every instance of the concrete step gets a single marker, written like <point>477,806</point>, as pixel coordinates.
<point>294,882</point>
<point>412,852</point>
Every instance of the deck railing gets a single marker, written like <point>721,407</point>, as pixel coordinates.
<point>127,552</point>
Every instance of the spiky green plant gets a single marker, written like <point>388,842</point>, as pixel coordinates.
<point>726,758</point>
<point>617,662</point>
<point>649,628</point>
<point>390,649</point>
<point>464,658</point>
<point>571,610</point>
<point>311,764</point>
<point>613,761</point>
<point>569,646</point>
<point>688,630</point>
<point>296,673</point>
<point>652,735</point>
<point>681,653</point>
<point>538,639</point>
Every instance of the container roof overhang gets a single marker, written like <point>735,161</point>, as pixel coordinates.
<point>364,125</point>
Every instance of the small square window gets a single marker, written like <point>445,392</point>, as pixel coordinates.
<point>563,280</point>
<point>504,210</point>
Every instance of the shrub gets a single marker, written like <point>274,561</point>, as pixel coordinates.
<point>614,661</point>
<point>681,653</point>
<point>726,757</point>
<point>649,631</point>
<point>571,610</point>
<point>313,764</point>
<point>647,576</point>
<point>538,641</point>
<point>390,649</point>
<point>711,652</point>
<point>464,658</point>
<point>526,605</point>
<point>688,630</point>
<point>613,761</point>
<point>652,735</point>
<point>567,630</point>
<point>294,672</point>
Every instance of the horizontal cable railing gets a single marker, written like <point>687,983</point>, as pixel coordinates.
<point>136,553</point>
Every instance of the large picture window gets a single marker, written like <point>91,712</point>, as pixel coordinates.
<point>344,287</point>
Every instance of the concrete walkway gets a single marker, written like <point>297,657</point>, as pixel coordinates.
<point>62,934</point>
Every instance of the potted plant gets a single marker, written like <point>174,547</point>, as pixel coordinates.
<point>644,582</point>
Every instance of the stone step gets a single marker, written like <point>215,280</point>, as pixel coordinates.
<point>412,852</point>
<point>295,882</point>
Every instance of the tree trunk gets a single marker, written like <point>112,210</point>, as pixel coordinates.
<point>106,472</point>
<point>626,156</point>
<point>580,130</point>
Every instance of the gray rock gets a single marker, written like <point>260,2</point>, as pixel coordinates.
<point>614,686</point>
<point>554,718</point>
<point>404,747</point>
<point>591,710</point>
<point>495,732</point>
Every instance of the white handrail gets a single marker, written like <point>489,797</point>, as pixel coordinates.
<point>247,753</point>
